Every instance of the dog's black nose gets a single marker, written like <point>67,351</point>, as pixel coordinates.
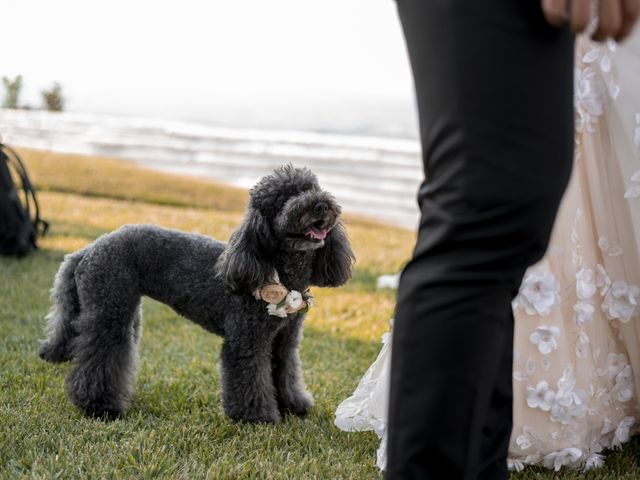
<point>321,208</point>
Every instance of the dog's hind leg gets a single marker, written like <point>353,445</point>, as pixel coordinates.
<point>102,381</point>
<point>137,325</point>
<point>64,311</point>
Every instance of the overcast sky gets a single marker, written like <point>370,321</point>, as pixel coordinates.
<point>188,57</point>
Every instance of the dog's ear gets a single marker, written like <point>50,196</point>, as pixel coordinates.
<point>333,262</point>
<point>245,263</point>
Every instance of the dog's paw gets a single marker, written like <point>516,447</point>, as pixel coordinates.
<point>99,408</point>
<point>52,352</point>
<point>297,403</point>
<point>101,411</point>
<point>90,392</point>
<point>256,417</point>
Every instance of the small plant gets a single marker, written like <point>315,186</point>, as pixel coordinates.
<point>13,89</point>
<point>53,100</point>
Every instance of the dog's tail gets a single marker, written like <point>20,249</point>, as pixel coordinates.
<point>66,307</point>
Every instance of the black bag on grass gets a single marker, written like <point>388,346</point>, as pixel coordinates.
<point>20,222</point>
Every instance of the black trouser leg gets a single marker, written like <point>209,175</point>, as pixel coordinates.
<point>496,431</point>
<point>494,89</point>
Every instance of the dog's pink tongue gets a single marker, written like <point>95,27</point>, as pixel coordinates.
<point>319,234</point>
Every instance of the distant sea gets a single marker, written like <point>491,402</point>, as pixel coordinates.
<point>370,173</point>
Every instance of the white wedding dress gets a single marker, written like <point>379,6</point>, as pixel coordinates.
<point>577,316</point>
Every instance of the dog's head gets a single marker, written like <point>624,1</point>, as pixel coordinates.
<point>288,211</point>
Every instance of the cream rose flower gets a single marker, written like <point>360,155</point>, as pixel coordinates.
<point>294,300</point>
<point>273,309</point>
<point>280,301</point>
<point>273,294</point>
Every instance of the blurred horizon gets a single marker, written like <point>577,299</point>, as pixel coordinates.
<point>335,66</point>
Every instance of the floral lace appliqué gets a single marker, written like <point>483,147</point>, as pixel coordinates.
<point>539,293</point>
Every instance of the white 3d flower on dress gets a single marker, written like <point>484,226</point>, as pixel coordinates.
<point>539,293</point>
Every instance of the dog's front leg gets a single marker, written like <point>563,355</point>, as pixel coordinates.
<point>248,392</point>
<point>292,394</point>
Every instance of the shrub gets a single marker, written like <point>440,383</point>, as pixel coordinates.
<point>13,89</point>
<point>53,100</point>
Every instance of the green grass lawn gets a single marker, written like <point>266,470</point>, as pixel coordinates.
<point>176,428</point>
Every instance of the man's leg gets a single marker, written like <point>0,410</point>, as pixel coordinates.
<point>494,89</point>
<point>496,432</point>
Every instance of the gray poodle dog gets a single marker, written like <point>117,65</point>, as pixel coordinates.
<point>291,236</point>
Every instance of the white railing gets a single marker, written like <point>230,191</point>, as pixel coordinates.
<point>376,177</point>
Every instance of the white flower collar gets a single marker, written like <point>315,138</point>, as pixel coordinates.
<point>281,301</point>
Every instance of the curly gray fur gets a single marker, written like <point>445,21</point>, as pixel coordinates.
<point>95,317</point>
